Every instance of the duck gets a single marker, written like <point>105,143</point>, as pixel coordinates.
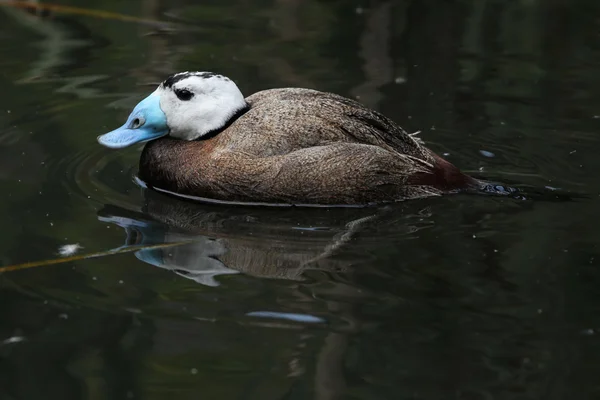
<point>291,146</point>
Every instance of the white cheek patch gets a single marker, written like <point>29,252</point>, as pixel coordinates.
<point>215,101</point>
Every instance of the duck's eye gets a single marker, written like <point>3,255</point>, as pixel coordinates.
<point>184,94</point>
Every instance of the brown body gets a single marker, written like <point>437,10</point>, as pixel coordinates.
<point>302,146</point>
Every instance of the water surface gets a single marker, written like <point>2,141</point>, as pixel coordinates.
<point>460,297</point>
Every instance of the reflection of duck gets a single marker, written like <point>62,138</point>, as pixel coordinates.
<point>277,146</point>
<point>277,243</point>
<point>195,260</point>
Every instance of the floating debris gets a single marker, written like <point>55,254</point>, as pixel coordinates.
<point>305,318</point>
<point>486,153</point>
<point>14,339</point>
<point>69,249</point>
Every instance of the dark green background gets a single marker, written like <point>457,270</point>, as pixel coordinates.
<point>463,297</point>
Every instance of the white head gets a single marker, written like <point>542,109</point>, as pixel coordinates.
<point>196,103</point>
<point>186,106</point>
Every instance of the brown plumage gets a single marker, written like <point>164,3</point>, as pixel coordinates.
<point>302,146</point>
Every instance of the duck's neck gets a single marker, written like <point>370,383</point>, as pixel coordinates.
<point>214,132</point>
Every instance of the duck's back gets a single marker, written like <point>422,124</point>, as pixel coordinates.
<point>280,121</point>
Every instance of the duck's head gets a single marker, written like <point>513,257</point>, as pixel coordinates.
<point>186,106</point>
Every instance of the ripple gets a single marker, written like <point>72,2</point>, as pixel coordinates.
<point>536,157</point>
<point>97,174</point>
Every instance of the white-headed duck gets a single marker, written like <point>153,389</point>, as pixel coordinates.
<point>284,146</point>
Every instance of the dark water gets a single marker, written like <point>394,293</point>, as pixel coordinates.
<point>461,297</point>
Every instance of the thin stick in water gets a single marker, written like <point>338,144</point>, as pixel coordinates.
<point>54,261</point>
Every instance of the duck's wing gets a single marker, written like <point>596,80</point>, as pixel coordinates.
<point>335,173</point>
<point>308,118</point>
<point>339,173</point>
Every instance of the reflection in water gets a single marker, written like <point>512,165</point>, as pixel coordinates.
<point>374,51</point>
<point>196,260</point>
<point>222,240</point>
<point>469,297</point>
<point>290,244</point>
<point>60,40</point>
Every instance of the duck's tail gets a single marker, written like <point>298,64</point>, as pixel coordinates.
<point>446,177</point>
